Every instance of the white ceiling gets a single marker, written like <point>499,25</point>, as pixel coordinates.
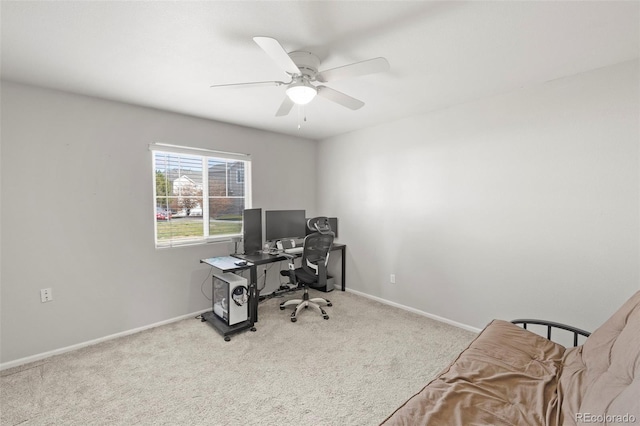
<point>166,54</point>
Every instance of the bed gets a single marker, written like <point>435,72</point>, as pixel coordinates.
<point>511,376</point>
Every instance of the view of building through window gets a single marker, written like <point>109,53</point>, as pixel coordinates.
<point>198,198</point>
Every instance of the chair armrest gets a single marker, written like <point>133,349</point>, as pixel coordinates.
<point>550,325</point>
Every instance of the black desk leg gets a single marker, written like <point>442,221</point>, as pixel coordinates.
<point>253,294</point>
<point>344,265</point>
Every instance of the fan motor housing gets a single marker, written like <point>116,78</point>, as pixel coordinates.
<point>307,62</point>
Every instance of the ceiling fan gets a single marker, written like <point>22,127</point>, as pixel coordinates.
<point>302,68</point>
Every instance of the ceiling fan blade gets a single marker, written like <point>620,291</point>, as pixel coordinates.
<point>339,98</point>
<point>369,66</point>
<point>252,83</point>
<point>285,107</point>
<point>274,49</point>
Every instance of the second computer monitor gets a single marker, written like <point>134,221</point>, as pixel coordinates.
<point>281,224</point>
<point>252,230</point>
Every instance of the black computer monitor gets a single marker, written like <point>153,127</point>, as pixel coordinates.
<point>281,224</point>
<point>333,222</point>
<point>252,230</point>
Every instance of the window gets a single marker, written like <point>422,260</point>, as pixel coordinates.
<point>199,195</point>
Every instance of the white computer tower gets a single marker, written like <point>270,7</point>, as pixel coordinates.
<point>230,298</point>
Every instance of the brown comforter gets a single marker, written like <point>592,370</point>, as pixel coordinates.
<point>507,376</point>
<point>510,376</point>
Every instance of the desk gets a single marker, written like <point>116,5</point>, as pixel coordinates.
<point>226,264</point>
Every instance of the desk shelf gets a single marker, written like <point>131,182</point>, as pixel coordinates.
<point>224,329</point>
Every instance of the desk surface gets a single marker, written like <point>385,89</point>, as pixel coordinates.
<point>259,258</point>
<point>225,263</point>
<point>262,258</point>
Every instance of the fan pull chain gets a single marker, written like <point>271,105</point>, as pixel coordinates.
<point>301,111</point>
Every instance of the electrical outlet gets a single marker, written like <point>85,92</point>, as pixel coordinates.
<point>392,278</point>
<point>46,295</point>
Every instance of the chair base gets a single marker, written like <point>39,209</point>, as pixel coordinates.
<point>306,303</point>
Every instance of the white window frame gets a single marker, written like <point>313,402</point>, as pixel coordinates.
<point>204,155</point>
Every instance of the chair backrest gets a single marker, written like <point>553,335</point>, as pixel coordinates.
<point>316,251</point>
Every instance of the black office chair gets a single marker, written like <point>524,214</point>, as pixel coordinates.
<point>315,256</point>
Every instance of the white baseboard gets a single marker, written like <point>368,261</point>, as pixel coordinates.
<point>416,311</point>
<point>41,356</point>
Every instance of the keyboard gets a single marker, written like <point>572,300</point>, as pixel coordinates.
<point>294,250</point>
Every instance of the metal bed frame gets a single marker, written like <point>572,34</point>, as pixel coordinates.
<point>550,325</point>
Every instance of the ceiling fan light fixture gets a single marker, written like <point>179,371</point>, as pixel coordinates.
<point>301,92</point>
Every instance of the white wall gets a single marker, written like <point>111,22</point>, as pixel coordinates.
<point>522,205</point>
<point>526,204</point>
<point>77,215</point>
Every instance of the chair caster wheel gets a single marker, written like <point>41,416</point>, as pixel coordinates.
<point>282,308</point>
<point>329,304</point>
<point>227,338</point>
<point>326,317</point>
<point>294,319</point>
<point>252,329</point>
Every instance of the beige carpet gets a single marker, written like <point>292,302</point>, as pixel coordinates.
<point>353,369</point>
